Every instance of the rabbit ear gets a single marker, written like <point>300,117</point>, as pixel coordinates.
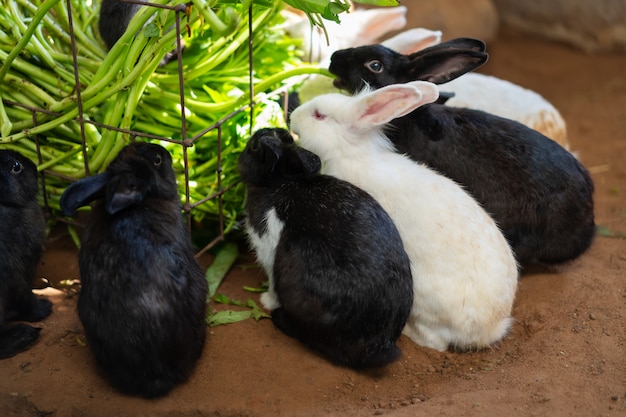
<point>472,44</point>
<point>378,107</point>
<point>83,192</point>
<point>304,163</point>
<point>124,190</point>
<point>271,150</point>
<point>413,40</point>
<point>447,61</point>
<point>370,24</point>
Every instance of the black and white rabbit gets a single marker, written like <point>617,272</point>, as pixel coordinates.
<point>143,296</point>
<point>538,193</point>
<point>22,234</point>
<point>340,280</point>
<point>464,273</point>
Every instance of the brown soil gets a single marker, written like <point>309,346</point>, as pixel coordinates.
<point>564,357</point>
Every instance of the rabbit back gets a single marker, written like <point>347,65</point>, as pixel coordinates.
<point>341,277</point>
<point>537,192</point>
<point>22,234</point>
<point>143,297</point>
<point>161,303</point>
<point>545,204</point>
<point>464,273</point>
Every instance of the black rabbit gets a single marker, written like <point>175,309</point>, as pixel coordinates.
<point>340,280</point>
<point>538,193</point>
<point>143,296</point>
<point>22,234</point>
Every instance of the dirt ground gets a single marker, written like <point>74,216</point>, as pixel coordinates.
<point>564,357</point>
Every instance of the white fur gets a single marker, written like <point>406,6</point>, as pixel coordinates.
<point>505,99</point>
<point>464,273</point>
<point>265,245</point>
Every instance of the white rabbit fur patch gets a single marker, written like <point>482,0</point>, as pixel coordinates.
<point>464,272</point>
<point>265,245</point>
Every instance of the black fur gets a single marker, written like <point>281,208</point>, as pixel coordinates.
<point>340,271</point>
<point>538,193</point>
<point>143,295</point>
<point>355,67</point>
<point>115,15</point>
<point>22,234</point>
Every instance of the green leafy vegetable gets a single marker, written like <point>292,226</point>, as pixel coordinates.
<point>216,272</point>
<point>216,318</point>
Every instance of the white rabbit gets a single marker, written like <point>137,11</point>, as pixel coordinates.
<point>464,273</point>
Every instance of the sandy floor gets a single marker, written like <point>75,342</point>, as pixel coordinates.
<point>564,357</point>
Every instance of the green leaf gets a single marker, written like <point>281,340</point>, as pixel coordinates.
<point>221,299</point>
<point>606,232</point>
<point>253,289</point>
<point>222,263</point>
<point>227,317</point>
<point>256,311</point>
<point>379,2</point>
<point>151,30</point>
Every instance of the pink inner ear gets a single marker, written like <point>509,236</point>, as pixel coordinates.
<point>388,103</point>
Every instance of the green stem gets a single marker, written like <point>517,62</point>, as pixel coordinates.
<point>41,12</point>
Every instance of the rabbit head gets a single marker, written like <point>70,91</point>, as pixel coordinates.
<point>140,171</point>
<point>377,66</point>
<point>333,124</point>
<point>271,154</point>
<point>18,179</point>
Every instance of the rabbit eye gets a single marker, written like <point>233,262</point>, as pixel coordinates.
<point>157,160</point>
<point>318,116</point>
<point>375,66</point>
<point>16,168</point>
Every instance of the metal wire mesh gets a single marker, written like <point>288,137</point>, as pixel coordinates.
<point>185,142</point>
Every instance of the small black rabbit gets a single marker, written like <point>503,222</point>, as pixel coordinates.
<point>538,193</point>
<point>340,280</point>
<point>115,15</point>
<point>143,296</point>
<point>22,234</point>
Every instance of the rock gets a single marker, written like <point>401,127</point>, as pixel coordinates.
<point>591,25</point>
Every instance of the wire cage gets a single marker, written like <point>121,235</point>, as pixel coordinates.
<point>78,108</point>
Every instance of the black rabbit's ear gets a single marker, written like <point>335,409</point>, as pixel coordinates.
<point>441,66</point>
<point>471,44</point>
<point>304,163</point>
<point>83,192</point>
<point>124,191</point>
<point>444,96</point>
<point>271,149</point>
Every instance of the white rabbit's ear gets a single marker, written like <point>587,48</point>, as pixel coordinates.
<point>381,106</point>
<point>413,40</point>
<point>430,91</point>
<point>369,25</point>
